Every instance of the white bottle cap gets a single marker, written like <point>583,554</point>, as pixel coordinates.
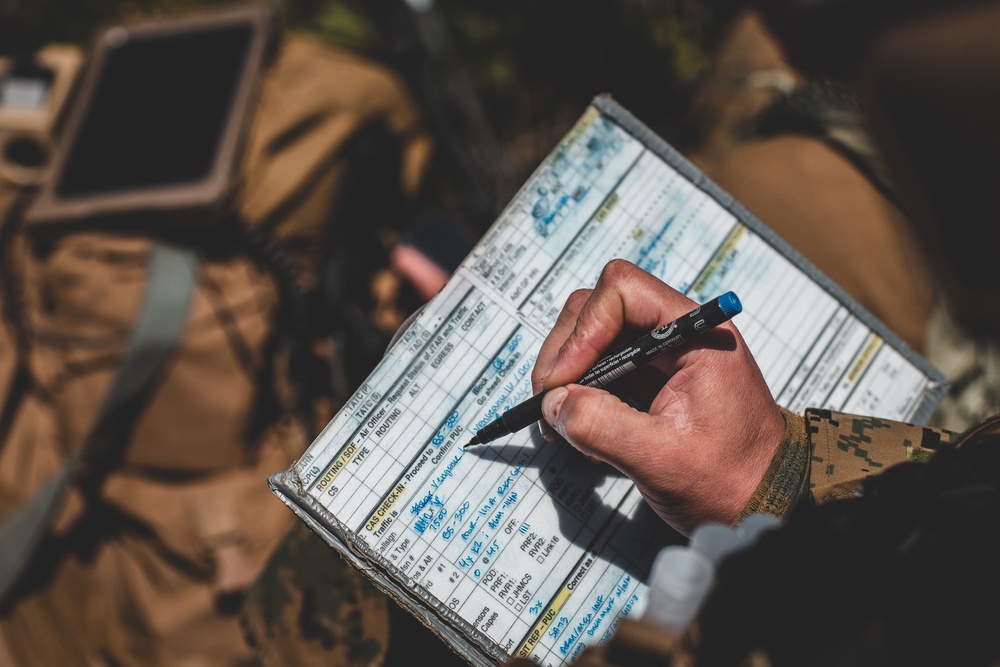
<point>420,5</point>
<point>677,584</point>
<point>715,540</point>
<point>753,525</point>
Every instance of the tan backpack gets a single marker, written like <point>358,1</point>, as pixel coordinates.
<point>174,518</point>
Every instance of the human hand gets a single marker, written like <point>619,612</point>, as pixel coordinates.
<point>712,428</point>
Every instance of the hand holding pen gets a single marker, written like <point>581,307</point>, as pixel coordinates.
<point>672,336</point>
<point>711,430</point>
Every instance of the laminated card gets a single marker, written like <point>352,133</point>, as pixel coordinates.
<point>525,547</point>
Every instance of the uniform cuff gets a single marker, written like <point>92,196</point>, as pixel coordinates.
<point>787,478</point>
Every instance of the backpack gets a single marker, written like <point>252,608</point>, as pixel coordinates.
<point>169,520</point>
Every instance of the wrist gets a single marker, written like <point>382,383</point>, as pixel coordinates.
<point>786,479</point>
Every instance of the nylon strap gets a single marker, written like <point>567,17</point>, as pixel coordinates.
<point>161,319</point>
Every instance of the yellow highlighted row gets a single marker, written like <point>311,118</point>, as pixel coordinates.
<point>336,467</point>
<point>543,623</point>
<point>581,126</point>
<point>609,206</point>
<point>384,508</point>
<point>720,257</point>
<point>874,343</point>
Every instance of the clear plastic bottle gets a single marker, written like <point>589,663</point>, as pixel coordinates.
<point>678,583</point>
<point>683,575</point>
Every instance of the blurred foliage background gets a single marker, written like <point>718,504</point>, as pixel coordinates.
<point>525,69</point>
<point>529,57</point>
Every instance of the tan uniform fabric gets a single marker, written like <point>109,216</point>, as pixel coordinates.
<point>144,575</point>
<point>831,453</point>
<point>186,517</point>
<point>8,357</point>
<point>316,98</point>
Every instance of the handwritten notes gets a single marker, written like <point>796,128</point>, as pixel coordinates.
<point>526,547</point>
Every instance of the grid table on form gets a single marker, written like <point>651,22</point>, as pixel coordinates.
<point>530,547</point>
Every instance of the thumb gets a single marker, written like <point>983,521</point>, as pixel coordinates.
<point>592,420</point>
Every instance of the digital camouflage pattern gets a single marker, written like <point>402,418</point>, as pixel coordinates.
<point>846,449</point>
<point>310,607</point>
<point>831,453</point>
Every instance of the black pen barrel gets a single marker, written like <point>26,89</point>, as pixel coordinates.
<point>675,334</point>
<point>520,416</point>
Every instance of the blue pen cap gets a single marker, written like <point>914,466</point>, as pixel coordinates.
<point>730,304</point>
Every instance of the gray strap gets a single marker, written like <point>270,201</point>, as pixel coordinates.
<point>170,285</point>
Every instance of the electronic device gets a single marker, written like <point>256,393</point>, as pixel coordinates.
<point>155,133</point>
<point>33,93</point>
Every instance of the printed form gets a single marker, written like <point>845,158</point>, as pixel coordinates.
<point>526,545</point>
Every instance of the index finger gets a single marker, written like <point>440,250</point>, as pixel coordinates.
<point>625,296</point>
<point>557,336</point>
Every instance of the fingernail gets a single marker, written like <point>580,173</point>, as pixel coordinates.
<point>552,404</point>
<point>548,370</point>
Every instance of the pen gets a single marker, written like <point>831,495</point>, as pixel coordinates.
<point>668,337</point>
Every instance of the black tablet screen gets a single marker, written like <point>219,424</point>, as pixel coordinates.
<point>158,112</point>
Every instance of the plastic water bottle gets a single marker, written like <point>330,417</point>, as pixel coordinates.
<point>752,526</point>
<point>678,583</point>
<point>715,541</point>
<point>682,576</point>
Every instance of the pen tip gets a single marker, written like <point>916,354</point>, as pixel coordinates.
<point>470,443</point>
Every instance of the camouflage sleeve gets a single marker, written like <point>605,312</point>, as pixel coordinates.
<point>824,455</point>
<point>830,453</point>
<point>847,448</point>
